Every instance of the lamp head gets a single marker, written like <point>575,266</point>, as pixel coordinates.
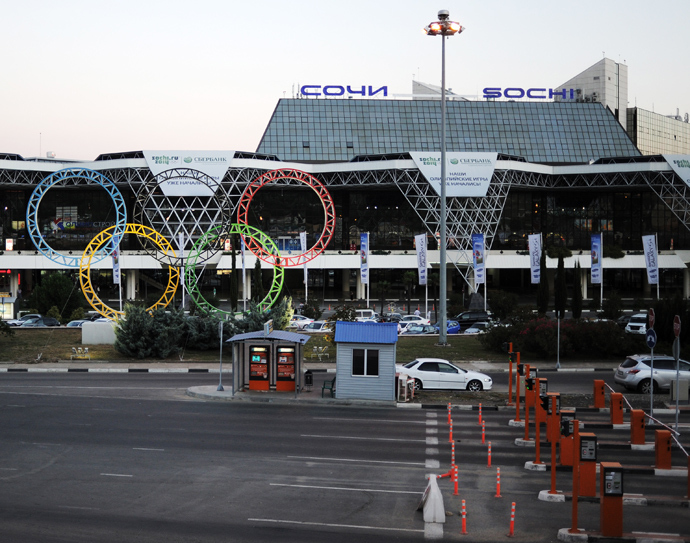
<point>443,14</point>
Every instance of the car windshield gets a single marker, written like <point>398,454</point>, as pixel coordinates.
<point>642,319</point>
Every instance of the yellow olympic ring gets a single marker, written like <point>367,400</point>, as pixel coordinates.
<point>105,236</point>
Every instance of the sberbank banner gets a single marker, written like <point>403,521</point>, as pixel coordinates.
<point>467,174</point>
<point>680,165</point>
<point>180,181</point>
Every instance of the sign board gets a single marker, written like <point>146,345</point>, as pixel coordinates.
<point>268,327</point>
<point>467,174</point>
<point>651,338</point>
<point>676,348</point>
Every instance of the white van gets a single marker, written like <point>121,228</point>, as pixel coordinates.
<point>364,314</point>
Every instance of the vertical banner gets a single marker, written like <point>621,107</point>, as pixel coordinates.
<point>535,257</point>
<point>478,258</point>
<point>651,259</point>
<point>420,245</point>
<point>597,257</point>
<point>116,259</point>
<point>364,252</point>
<point>303,245</point>
<point>242,251</point>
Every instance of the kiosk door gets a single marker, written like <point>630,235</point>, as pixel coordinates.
<point>258,368</point>
<point>286,369</point>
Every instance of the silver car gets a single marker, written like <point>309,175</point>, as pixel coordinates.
<point>635,372</point>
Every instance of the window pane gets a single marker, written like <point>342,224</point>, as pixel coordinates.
<point>372,362</point>
<point>358,362</point>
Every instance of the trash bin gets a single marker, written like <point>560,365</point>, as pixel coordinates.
<point>308,379</point>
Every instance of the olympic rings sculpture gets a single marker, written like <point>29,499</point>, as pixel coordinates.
<point>63,176</point>
<point>277,176</point>
<point>103,240</point>
<point>212,237</point>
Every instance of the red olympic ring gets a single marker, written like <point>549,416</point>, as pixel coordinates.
<point>329,224</point>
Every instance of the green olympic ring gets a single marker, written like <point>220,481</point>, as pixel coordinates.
<point>212,236</point>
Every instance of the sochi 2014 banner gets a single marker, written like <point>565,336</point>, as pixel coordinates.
<point>597,258</point>
<point>420,245</point>
<point>364,252</point>
<point>535,257</point>
<point>467,174</point>
<point>180,183</point>
<point>680,165</point>
<point>116,259</point>
<point>651,259</point>
<point>478,258</point>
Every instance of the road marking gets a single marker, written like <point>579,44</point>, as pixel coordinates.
<point>116,475</point>
<point>79,508</point>
<point>351,489</point>
<point>355,526</point>
<point>363,438</point>
<point>146,449</point>
<point>356,460</point>
<point>431,441</point>
<point>375,420</point>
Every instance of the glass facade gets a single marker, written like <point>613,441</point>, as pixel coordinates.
<point>543,132</point>
<point>656,134</point>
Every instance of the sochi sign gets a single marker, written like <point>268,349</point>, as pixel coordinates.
<point>515,92</point>
<point>340,90</point>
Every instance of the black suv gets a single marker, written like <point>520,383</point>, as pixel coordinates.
<point>468,318</point>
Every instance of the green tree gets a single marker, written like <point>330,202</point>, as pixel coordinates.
<point>576,302</point>
<point>345,313</point>
<point>312,309</point>
<point>157,334</point>
<point>502,303</point>
<point>56,289</point>
<point>543,294</point>
<point>383,288</point>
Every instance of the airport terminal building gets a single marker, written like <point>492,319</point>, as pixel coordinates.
<point>564,167</point>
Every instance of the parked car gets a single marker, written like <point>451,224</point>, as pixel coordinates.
<point>478,328</point>
<point>21,320</point>
<point>318,326</point>
<point>637,324</point>
<point>78,323</point>
<point>452,327</point>
<point>436,373</point>
<point>299,322</point>
<point>413,328</point>
<point>390,317</point>
<point>623,320</point>
<point>417,319</point>
<point>468,318</point>
<point>37,322</point>
<point>635,372</point>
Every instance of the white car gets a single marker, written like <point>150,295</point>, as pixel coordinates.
<point>318,326</point>
<point>299,322</point>
<point>637,324</point>
<point>416,319</point>
<point>437,373</point>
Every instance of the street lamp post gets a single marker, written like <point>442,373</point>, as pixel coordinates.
<point>443,27</point>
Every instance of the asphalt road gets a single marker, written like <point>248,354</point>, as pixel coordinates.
<point>129,457</point>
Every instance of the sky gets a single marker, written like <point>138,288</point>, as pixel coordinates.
<point>81,78</point>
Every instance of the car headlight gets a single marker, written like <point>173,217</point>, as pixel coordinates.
<point>487,379</point>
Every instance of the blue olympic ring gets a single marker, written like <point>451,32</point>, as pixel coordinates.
<point>51,180</point>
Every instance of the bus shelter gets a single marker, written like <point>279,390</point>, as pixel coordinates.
<point>268,362</point>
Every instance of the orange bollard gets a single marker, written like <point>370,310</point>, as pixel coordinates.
<point>599,394</point>
<point>452,454</point>
<point>498,483</point>
<point>464,519</point>
<point>483,432</point>
<point>488,465</point>
<point>616,408</point>
<point>450,437</point>
<point>455,477</point>
<point>449,412</point>
<point>637,425</point>
<point>480,414</point>
<point>512,520</point>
